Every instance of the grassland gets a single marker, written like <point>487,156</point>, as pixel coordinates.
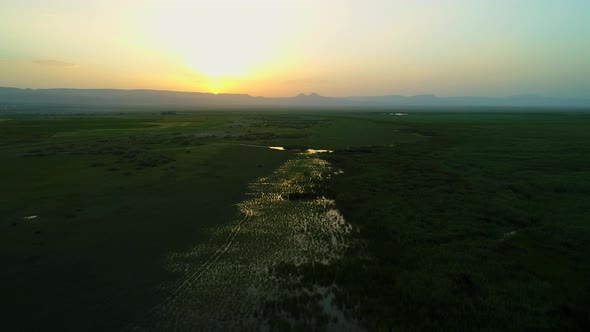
<point>458,221</point>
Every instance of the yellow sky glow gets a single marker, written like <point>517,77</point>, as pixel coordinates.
<point>222,45</point>
<point>282,48</point>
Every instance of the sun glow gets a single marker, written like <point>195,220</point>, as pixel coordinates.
<point>216,85</point>
<point>222,41</point>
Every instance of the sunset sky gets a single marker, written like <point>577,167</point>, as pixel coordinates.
<point>282,48</point>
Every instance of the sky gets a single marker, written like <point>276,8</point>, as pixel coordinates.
<point>283,48</point>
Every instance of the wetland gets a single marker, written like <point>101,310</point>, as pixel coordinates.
<point>295,220</point>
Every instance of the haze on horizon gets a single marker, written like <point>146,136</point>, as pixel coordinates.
<point>282,48</point>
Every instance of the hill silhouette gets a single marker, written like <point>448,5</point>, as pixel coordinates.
<point>13,97</point>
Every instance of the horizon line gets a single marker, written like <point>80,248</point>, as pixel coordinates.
<point>301,93</point>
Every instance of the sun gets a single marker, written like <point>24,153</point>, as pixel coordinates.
<point>223,43</point>
<point>215,85</point>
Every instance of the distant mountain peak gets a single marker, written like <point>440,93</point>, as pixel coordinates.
<point>141,97</point>
<point>311,95</point>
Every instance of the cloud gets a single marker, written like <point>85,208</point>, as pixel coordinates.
<point>54,63</point>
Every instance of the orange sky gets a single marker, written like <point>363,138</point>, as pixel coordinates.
<point>280,48</point>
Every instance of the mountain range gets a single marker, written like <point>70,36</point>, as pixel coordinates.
<point>15,97</point>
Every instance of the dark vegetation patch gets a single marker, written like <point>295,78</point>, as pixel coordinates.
<point>288,121</point>
<point>462,221</point>
<point>466,230</point>
<point>259,136</point>
<point>112,202</point>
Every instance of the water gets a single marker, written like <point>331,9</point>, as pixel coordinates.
<point>227,281</point>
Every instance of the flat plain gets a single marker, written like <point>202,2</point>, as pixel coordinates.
<point>188,220</point>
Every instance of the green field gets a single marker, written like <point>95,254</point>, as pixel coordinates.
<point>428,221</point>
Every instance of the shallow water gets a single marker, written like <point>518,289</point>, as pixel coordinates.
<point>226,281</point>
<point>313,151</point>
